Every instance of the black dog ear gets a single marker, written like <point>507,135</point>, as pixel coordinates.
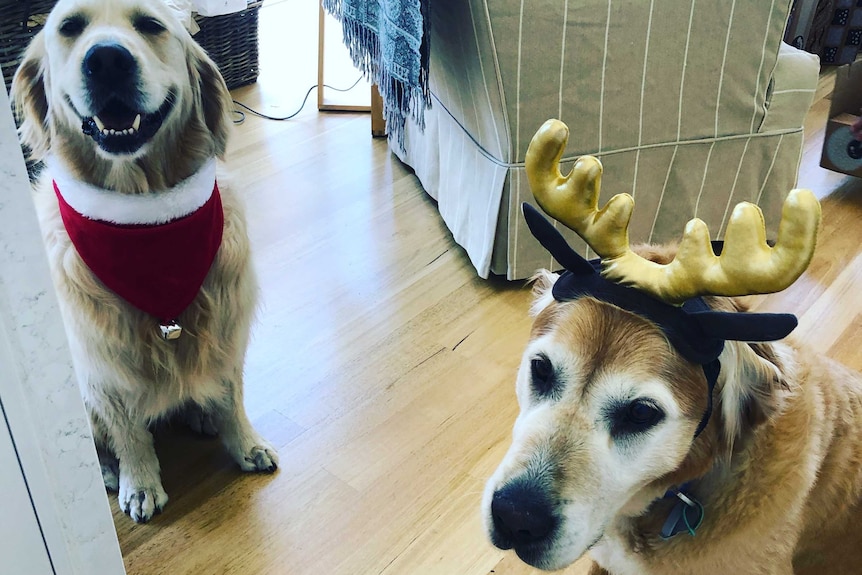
<point>553,241</point>
<point>738,326</point>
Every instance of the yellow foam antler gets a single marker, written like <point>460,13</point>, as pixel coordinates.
<point>746,266</point>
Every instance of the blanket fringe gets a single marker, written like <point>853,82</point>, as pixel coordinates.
<point>402,96</point>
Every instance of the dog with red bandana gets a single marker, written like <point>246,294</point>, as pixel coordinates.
<point>147,244</point>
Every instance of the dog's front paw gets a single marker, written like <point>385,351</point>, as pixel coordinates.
<point>251,451</point>
<point>141,502</point>
<point>261,457</point>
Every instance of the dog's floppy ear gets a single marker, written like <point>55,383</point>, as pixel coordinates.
<point>543,282</point>
<point>752,386</point>
<point>30,101</point>
<point>213,95</point>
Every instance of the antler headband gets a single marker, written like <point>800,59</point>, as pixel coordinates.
<point>747,265</point>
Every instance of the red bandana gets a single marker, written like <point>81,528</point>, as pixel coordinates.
<point>158,268</point>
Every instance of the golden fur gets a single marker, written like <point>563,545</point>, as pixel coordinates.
<point>129,376</point>
<point>778,468</point>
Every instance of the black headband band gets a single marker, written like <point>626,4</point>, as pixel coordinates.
<point>696,331</point>
<point>685,333</point>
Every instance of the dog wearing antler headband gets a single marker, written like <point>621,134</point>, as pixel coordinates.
<point>663,429</point>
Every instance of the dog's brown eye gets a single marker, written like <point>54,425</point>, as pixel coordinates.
<point>628,418</point>
<point>148,25</point>
<point>73,26</point>
<point>643,413</point>
<point>543,375</point>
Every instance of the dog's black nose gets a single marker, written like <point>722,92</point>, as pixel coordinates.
<point>109,64</point>
<point>522,513</point>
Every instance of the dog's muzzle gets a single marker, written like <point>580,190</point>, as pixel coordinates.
<point>112,77</point>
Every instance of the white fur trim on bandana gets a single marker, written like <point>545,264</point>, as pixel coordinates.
<point>130,209</point>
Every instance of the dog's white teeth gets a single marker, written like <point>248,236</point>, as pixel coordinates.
<point>137,123</point>
<point>112,132</point>
<point>99,123</point>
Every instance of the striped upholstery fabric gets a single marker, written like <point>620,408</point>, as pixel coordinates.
<point>691,106</point>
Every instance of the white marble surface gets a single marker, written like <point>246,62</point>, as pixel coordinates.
<point>38,388</point>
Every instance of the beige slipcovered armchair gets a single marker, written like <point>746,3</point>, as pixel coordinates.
<point>691,107</point>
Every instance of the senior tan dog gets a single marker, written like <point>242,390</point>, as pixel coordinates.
<point>149,255</point>
<point>674,438</point>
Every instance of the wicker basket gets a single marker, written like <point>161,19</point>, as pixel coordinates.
<point>20,20</point>
<point>231,41</point>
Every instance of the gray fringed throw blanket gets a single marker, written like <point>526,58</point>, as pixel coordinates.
<point>388,41</point>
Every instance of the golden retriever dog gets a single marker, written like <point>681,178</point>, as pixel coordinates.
<point>653,463</point>
<point>129,115</point>
<point>778,467</point>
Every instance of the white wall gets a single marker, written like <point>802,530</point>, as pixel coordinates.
<point>41,404</point>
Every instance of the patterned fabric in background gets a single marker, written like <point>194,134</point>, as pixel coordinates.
<point>832,29</point>
<point>388,41</point>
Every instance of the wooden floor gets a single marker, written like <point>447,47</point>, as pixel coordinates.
<point>382,367</point>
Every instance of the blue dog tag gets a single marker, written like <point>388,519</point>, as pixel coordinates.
<point>686,515</point>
